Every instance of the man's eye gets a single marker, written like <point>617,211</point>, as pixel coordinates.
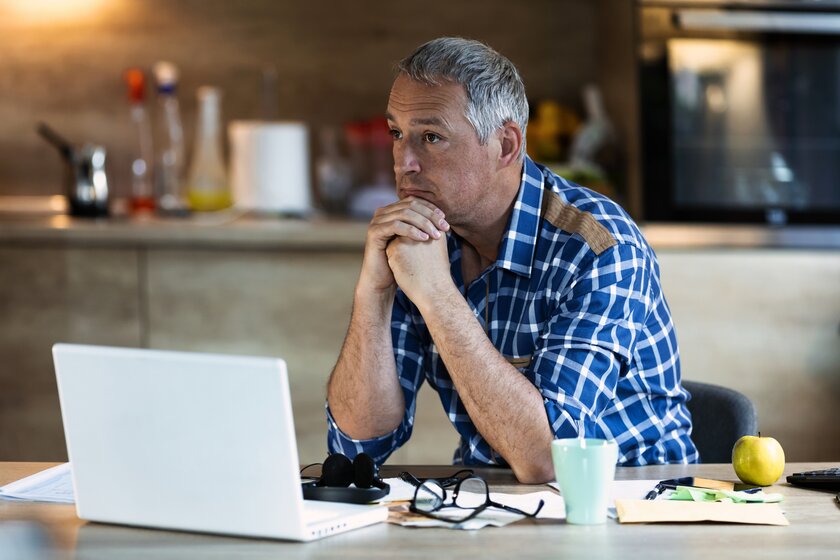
<point>431,138</point>
<point>395,134</point>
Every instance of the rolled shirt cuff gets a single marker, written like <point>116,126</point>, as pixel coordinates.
<point>379,448</point>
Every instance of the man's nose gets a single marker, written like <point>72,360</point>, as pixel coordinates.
<point>405,159</point>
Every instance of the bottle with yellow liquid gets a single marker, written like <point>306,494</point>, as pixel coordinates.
<point>207,187</point>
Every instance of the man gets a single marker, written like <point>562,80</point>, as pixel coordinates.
<point>530,304</point>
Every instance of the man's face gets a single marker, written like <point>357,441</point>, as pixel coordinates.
<point>437,156</point>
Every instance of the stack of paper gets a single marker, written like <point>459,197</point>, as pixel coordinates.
<point>402,491</point>
<point>52,485</point>
<point>693,504</point>
<point>677,511</point>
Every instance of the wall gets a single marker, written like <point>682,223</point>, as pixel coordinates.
<point>617,75</point>
<point>764,322</point>
<point>333,58</point>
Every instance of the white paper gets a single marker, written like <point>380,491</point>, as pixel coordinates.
<point>401,491</point>
<point>631,489</point>
<point>553,508</point>
<point>488,518</point>
<point>52,485</point>
<point>624,489</point>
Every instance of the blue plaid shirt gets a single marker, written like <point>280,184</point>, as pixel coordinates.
<point>575,303</point>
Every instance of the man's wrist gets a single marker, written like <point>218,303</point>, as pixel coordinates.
<point>439,299</point>
<point>375,301</point>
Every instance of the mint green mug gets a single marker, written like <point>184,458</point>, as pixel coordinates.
<point>585,469</point>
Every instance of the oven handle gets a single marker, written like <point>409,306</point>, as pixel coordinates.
<point>758,21</point>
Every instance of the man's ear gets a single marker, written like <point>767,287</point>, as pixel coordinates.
<point>510,140</point>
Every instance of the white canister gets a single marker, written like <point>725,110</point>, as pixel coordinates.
<point>269,166</point>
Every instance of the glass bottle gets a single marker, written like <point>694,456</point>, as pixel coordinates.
<point>334,173</point>
<point>142,198</point>
<point>207,184</point>
<point>169,160</point>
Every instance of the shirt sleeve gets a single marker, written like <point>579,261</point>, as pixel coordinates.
<point>589,340</point>
<point>408,355</point>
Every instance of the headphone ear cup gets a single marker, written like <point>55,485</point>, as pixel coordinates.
<point>364,471</point>
<point>337,471</point>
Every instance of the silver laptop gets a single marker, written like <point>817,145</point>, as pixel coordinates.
<point>188,441</point>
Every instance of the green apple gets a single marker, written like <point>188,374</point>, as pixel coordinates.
<point>758,460</point>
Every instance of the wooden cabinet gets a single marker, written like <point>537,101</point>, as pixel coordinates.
<point>764,322</point>
<point>52,294</point>
<point>294,304</point>
<point>288,304</point>
<point>767,323</point>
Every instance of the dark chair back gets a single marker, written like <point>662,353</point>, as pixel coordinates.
<point>720,416</point>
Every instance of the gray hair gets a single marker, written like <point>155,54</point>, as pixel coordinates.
<point>495,92</point>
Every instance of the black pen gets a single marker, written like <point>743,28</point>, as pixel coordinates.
<point>657,490</point>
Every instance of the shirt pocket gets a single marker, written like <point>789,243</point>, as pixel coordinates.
<point>521,363</point>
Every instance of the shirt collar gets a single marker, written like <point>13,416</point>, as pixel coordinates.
<point>519,241</point>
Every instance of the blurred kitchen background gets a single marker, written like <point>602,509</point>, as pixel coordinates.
<point>716,124</point>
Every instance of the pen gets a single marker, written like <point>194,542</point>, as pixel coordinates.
<point>653,494</point>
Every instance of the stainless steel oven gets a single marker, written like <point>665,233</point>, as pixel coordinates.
<point>740,111</point>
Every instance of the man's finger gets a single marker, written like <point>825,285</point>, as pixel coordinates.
<point>422,207</point>
<point>411,217</point>
<point>386,231</point>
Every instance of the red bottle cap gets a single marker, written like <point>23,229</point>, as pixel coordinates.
<point>136,81</point>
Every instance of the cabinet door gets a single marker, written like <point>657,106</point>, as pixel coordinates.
<point>289,304</point>
<point>765,322</point>
<point>54,295</point>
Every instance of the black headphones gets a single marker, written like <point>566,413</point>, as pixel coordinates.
<point>338,473</point>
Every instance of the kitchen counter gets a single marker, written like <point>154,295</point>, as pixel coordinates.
<point>710,236</point>
<point>213,231</point>
<point>232,229</point>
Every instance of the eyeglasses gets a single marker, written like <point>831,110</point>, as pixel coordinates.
<point>470,493</point>
<point>452,480</point>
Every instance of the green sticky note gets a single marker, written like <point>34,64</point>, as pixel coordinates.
<point>690,493</point>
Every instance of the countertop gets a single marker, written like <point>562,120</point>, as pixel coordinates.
<point>232,229</point>
<point>211,231</point>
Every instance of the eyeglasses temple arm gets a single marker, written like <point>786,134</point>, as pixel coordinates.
<point>519,511</point>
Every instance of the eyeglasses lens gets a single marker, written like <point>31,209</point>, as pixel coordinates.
<point>472,493</point>
<point>429,496</point>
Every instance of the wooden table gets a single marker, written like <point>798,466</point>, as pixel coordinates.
<point>814,531</point>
